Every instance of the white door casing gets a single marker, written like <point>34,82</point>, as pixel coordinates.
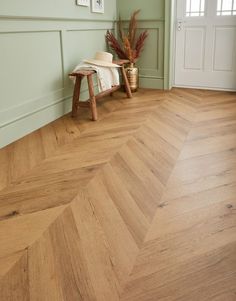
<point>205,51</point>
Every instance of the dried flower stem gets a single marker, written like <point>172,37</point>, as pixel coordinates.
<point>128,47</point>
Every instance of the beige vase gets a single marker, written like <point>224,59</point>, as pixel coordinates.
<point>133,77</point>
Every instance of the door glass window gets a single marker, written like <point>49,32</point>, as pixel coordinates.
<point>195,8</point>
<point>226,8</point>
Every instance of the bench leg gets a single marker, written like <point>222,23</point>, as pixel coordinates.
<point>92,101</point>
<point>126,82</point>
<point>75,103</point>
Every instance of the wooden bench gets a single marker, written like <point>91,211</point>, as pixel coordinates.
<point>92,101</point>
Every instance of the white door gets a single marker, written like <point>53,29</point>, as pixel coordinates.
<point>205,54</point>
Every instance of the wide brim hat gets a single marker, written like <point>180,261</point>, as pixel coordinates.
<point>102,59</point>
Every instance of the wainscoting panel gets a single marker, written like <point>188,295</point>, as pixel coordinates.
<point>33,68</point>
<point>93,40</point>
<point>154,16</point>
<point>37,56</point>
<point>151,63</point>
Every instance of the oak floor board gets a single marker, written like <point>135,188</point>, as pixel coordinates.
<point>158,165</point>
<point>96,249</point>
<point>146,201</point>
<point>131,214</point>
<point>44,192</point>
<point>121,243</point>
<point>219,129</point>
<point>56,265</point>
<point>157,145</point>
<point>208,145</point>
<point>167,132</point>
<point>7,262</point>
<point>172,119</point>
<point>203,275</point>
<point>14,285</point>
<point>174,207</point>
<point>179,188</point>
<point>137,206</point>
<point>163,254</point>
<point>212,114</point>
<point>20,232</point>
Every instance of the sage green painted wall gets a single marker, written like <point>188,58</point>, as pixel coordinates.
<point>155,17</point>
<point>150,9</point>
<point>55,9</point>
<point>40,43</point>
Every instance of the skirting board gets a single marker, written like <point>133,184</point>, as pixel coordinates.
<point>24,126</point>
<point>30,123</point>
<point>41,117</point>
<point>151,82</point>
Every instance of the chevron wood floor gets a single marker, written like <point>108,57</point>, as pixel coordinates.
<point>139,206</point>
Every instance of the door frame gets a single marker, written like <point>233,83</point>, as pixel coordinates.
<point>172,52</point>
<point>173,20</point>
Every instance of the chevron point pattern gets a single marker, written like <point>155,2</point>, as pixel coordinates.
<point>139,206</point>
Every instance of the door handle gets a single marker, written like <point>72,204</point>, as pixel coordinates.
<point>180,25</point>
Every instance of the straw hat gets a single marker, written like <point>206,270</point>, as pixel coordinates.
<point>103,59</point>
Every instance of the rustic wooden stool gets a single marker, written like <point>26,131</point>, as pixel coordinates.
<point>92,101</point>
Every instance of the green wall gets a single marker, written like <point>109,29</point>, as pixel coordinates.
<point>40,43</point>
<point>154,16</point>
<point>61,9</point>
<point>150,9</point>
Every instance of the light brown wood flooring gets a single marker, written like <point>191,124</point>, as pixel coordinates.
<point>139,206</point>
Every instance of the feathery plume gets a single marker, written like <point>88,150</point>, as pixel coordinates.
<point>127,46</point>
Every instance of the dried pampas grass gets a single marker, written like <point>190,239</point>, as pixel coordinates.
<point>127,46</point>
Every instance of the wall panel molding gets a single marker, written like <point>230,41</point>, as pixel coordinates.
<point>41,103</point>
<point>33,121</point>
<point>28,114</point>
<point>151,63</point>
<point>42,18</point>
<point>24,25</point>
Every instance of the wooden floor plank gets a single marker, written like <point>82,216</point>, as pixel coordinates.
<point>96,249</point>
<point>57,269</point>
<point>201,278</point>
<point>137,206</point>
<point>122,245</point>
<point>17,233</point>
<point>7,262</point>
<point>14,285</point>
